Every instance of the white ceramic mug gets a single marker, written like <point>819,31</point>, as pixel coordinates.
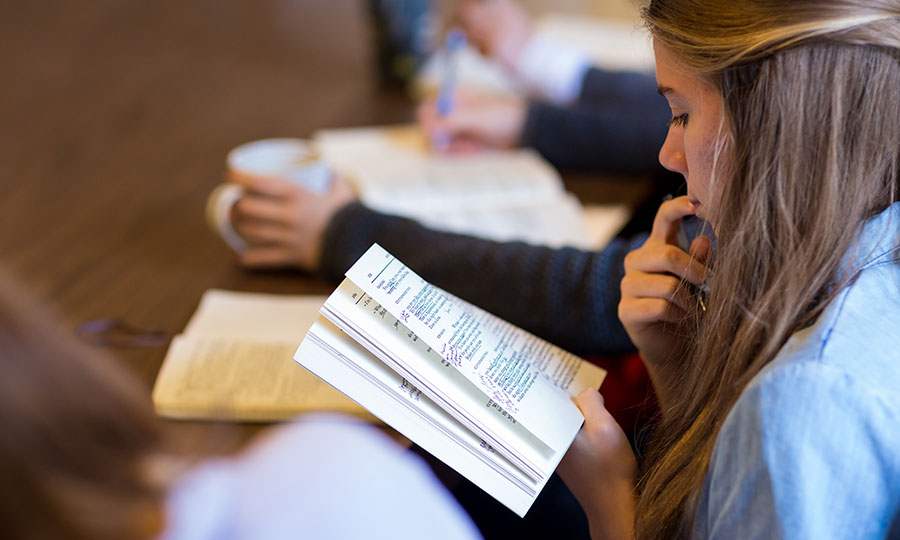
<point>291,160</point>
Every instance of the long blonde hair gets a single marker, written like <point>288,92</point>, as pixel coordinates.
<point>812,100</point>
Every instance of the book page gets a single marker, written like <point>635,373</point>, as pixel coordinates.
<point>219,378</point>
<point>338,359</point>
<point>525,375</point>
<point>500,195</point>
<point>370,324</point>
<point>556,221</point>
<point>234,361</point>
<point>254,316</point>
<point>436,182</point>
<point>392,167</point>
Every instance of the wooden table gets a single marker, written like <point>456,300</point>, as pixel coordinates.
<point>116,118</point>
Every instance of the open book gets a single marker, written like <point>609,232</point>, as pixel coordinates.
<point>230,362</point>
<point>489,399</point>
<point>500,195</point>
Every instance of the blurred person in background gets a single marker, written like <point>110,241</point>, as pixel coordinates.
<point>619,128</point>
<point>567,296</point>
<point>83,457</point>
<point>578,116</point>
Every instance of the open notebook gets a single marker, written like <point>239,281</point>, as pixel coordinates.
<point>503,195</point>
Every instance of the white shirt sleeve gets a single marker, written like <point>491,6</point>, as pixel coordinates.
<point>325,477</point>
<point>551,69</point>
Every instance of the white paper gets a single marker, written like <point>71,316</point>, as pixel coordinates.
<point>503,195</point>
<point>221,378</point>
<point>412,415</point>
<point>254,316</point>
<point>384,336</point>
<point>525,376</point>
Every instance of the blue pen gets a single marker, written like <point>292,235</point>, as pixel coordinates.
<point>453,44</point>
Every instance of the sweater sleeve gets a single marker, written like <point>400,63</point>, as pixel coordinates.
<point>622,87</point>
<point>618,126</point>
<point>567,296</point>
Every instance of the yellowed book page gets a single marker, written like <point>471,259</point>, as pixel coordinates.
<point>217,378</point>
<point>254,316</point>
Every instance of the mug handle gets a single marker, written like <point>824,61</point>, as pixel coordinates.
<point>218,214</point>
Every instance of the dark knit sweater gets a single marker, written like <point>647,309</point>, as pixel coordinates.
<point>617,126</point>
<point>567,296</point>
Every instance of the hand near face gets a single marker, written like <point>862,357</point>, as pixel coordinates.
<point>655,301</point>
<point>600,470</point>
<point>478,121</point>
<point>284,223</point>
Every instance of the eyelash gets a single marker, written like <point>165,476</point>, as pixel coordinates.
<point>679,121</point>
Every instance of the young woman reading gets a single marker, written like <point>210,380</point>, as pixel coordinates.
<point>775,359</point>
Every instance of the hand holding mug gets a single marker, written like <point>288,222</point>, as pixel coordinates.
<point>277,203</point>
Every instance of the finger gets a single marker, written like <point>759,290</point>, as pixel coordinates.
<point>590,401</point>
<point>470,14</point>
<point>465,145</point>
<point>666,258</point>
<point>265,233</point>
<point>642,284</point>
<point>263,185</point>
<point>650,310</point>
<point>701,248</point>
<point>461,121</point>
<point>340,192</point>
<point>664,286</point>
<point>668,219</point>
<point>250,207</point>
<point>426,115</point>
<point>267,256</point>
<point>465,119</point>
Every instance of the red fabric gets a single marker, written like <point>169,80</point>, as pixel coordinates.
<point>627,391</point>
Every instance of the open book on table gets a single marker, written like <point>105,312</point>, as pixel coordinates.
<point>487,398</point>
<point>499,195</point>
<point>230,363</point>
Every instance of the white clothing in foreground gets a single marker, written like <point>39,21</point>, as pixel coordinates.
<point>323,477</point>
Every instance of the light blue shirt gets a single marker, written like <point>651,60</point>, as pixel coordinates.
<point>811,449</point>
<point>323,478</point>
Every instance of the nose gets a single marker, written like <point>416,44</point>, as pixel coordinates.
<point>671,155</point>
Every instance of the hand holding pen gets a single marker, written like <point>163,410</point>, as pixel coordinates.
<point>459,121</point>
<point>478,122</point>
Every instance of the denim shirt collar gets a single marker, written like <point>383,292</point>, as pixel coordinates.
<point>878,241</point>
